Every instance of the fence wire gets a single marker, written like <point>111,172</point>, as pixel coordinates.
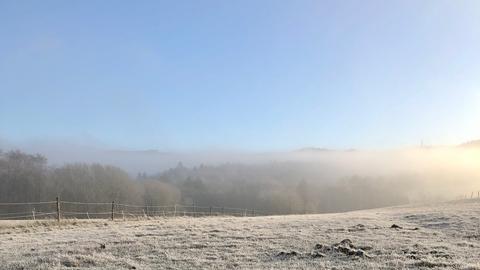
<point>59,209</point>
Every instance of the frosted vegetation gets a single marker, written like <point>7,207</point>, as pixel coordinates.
<point>436,236</point>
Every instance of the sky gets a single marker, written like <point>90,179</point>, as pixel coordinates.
<point>246,75</point>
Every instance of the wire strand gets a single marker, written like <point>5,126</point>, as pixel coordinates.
<point>29,203</point>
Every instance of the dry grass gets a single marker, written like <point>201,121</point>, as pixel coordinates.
<point>437,236</point>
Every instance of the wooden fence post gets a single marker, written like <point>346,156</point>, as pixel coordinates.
<point>194,213</point>
<point>113,209</point>
<point>210,210</point>
<point>174,210</point>
<point>33,213</point>
<point>58,209</point>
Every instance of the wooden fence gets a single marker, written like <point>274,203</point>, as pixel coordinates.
<point>59,210</point>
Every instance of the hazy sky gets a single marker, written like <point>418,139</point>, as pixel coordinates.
<point>250,75</point>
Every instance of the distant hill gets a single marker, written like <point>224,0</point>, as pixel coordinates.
<point>313,149</point>
<point>320,149</point>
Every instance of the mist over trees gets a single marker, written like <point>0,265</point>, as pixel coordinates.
<point>28,178</point>
<point>276,188</point>
<point>346,181</point>
<point>280,188</point>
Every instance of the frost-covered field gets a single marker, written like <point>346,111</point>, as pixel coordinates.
<point>437,236</point>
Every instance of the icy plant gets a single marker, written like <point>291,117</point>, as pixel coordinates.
<point>442,236</point>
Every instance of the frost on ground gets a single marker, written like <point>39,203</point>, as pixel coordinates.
<point>445,236</point>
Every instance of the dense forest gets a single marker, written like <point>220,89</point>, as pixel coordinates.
<point>276,188</point>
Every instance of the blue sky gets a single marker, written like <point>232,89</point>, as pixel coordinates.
<point>249,75</point>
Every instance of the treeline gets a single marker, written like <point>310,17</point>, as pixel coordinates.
<point>281,188</point>
<point>277,188</point>
<point>28,178</point>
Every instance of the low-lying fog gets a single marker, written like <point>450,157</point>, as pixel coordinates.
<point>305,180</point>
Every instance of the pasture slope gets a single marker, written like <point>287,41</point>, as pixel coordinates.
<point>438,236</point>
